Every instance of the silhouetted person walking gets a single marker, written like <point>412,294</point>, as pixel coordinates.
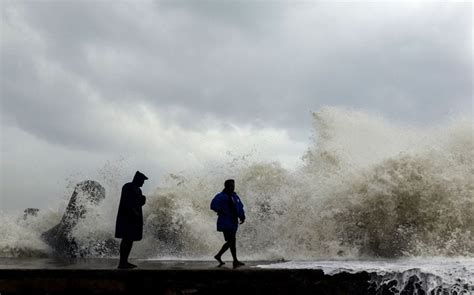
<point>230,211</point>
<point>129,226</point>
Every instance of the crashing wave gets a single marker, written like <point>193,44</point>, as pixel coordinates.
<point>367,187</point>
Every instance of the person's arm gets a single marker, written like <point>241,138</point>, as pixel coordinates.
<point>141,198</point>
<point>216,204</point>
<point>130,203</point>
<point>240,210</point>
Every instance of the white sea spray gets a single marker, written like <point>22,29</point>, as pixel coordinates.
<point>368,187</point>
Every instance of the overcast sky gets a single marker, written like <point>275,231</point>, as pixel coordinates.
<point>90,87</point>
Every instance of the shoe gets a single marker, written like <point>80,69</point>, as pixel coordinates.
<point>126,265</point>
<point>238,264</point>
<point>221,263</point>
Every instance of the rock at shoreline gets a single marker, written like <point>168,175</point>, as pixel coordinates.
<point>30,212</point>
<point>86,193</point>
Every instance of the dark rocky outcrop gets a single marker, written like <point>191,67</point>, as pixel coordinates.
<point>30,212</point>
<point>86,193</point>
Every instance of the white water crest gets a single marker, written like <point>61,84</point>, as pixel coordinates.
<point>368,187</point>
<point>433,275</point>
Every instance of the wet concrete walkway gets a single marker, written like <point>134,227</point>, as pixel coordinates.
<point>110,263</point>
<point>100,276</point>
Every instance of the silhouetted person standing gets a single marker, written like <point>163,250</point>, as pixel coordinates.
<point>230,211</point>
<point>129,226</point>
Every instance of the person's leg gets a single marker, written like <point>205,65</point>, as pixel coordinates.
<point>222,250</point>
<point>125,249</point>
<point>233,249</point>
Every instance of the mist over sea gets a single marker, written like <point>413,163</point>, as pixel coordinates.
<point>367,189</point>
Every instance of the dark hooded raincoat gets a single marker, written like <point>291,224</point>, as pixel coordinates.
<point>130,216</point>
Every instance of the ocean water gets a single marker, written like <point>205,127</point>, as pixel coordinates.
<point>366,188</point>
<point>434,275</point>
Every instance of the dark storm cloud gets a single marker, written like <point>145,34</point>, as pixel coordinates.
<point>257,63</point>
<point>172,85</point>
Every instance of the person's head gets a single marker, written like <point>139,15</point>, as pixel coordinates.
<point>229,185</point>
<point>139,179</point>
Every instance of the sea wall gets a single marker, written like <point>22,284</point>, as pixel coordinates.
<point>179,281</point>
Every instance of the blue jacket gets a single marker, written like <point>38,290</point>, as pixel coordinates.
<point>227,218</point>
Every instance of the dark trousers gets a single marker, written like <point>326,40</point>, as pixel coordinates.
<point>125,249</point>
<point>230,243</point>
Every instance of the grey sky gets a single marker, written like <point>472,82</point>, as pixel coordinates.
<point>173,84</point>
